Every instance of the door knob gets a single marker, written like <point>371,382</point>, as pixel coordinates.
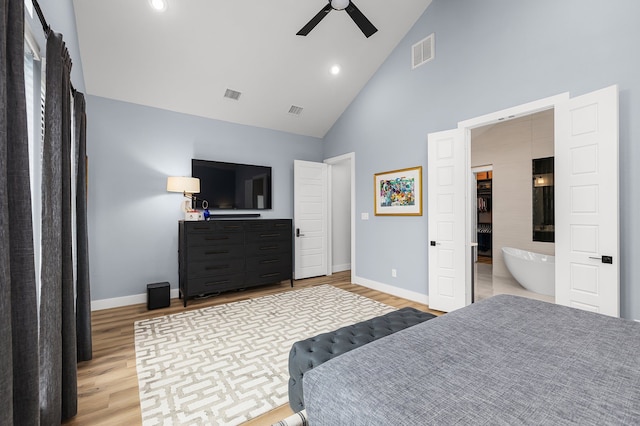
<point>298,234</point>
<point>604,259</point>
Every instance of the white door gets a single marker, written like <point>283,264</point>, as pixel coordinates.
<point>447,167</point>
<point>586,202</point>
<point>310,216</point>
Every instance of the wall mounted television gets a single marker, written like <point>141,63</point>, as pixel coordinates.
<point>232,186</point>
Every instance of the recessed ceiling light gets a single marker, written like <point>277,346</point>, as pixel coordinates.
<point>335,70</point>
<point>159,5</point>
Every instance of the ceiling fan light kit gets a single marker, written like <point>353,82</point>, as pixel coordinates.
<point>339,4</point>
<point>159,5</point>
<point>367,28</point>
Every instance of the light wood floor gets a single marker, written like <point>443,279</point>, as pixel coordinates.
<point>108,384</point>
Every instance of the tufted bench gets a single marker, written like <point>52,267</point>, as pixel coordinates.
<point>308,354</point>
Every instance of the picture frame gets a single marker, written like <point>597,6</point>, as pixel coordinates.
<point>398,192</point>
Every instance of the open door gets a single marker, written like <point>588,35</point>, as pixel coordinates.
<point>448,274</point>
<point>587,251</point>
<point>310,216</point>
<point>586,202</point>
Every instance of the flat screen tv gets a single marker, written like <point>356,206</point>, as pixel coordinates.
<point>232,186</point>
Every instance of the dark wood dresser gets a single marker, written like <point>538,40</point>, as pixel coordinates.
<point>228,254</point>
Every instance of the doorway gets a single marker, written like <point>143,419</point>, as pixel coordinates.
<point>502,155</point>
<point>324,216</point>
<point>586,203</point>
<point>341,245</point>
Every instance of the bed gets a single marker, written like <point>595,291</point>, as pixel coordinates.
<point>503,361</point>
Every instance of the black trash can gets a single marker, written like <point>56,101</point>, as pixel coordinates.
<point>158,295</point>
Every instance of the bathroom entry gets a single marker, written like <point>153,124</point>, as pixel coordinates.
<point>505,196</point>
<point>586,186</point>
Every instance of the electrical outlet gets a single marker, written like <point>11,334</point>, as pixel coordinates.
<point>394,273</point>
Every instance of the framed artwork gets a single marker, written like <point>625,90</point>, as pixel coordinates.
<point>398,192</point>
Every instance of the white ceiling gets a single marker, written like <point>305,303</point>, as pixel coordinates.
<point>185,58</point>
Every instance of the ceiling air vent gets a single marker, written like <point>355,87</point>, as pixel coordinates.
<point>423,51</point>
<point>295,110</point>
<point>232,94</point>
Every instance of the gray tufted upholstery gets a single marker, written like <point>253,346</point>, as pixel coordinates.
<point>308,354</point>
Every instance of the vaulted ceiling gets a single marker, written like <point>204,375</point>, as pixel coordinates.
<point>185,58</point>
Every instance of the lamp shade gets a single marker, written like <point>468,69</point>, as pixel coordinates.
<point>183,184</point>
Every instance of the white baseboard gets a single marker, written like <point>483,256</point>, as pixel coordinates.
<point>136,299</point>
<point>395,291</point>
<point>116,302</point>
<point>340,268</point>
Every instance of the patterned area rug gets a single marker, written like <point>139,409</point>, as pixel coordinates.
<point>226,364</point>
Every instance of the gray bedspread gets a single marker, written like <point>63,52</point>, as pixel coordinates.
<point>502,361</point>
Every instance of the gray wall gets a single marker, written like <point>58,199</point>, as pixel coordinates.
<point>133,220</point>
<point>490,55</point>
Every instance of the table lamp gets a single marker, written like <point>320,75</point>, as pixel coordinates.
<point>188,186</point>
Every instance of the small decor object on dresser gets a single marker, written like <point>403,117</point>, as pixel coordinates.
<point>158,295</point>
<point>229,254</point>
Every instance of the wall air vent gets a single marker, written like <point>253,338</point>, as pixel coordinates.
<point>232,94</point>
<point>295,110</point>
<point>423,51</point>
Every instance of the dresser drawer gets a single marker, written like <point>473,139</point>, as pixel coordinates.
<point>266,277</point>
<point>214,226</point>
<point>268,247</point>
<point>215,284</point>
<point>268,235</point>
<point>276,261</point>
<point>267,225</point>
<point>214,267</point>
<point>215,252</point>
<point>215,239</point>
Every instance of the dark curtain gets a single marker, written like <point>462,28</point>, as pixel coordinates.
<point>18,303</point>
<point>83,298</point>
<point>58,353</point>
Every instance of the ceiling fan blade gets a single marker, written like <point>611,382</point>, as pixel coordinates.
<point>361,21</point>
<point>315,20</point>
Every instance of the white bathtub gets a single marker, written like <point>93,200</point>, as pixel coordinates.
<point>535,272</point>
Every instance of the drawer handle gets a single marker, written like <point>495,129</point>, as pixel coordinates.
<point>270,261</point>
<point>275,274</point>
<point>203,228</point>
<point>269,235</point>
<point>210,268</point>
<point>232,227</point>
<point>269,248</point>
<point>217,282</point>
<point>217,238</point>
<point>217,252</point>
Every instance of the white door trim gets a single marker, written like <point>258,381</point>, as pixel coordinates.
<point>351,156</point>
<point>513,112</point>
<point>493,118</point>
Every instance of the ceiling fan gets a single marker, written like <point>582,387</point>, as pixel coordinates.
<point>361,21</point>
